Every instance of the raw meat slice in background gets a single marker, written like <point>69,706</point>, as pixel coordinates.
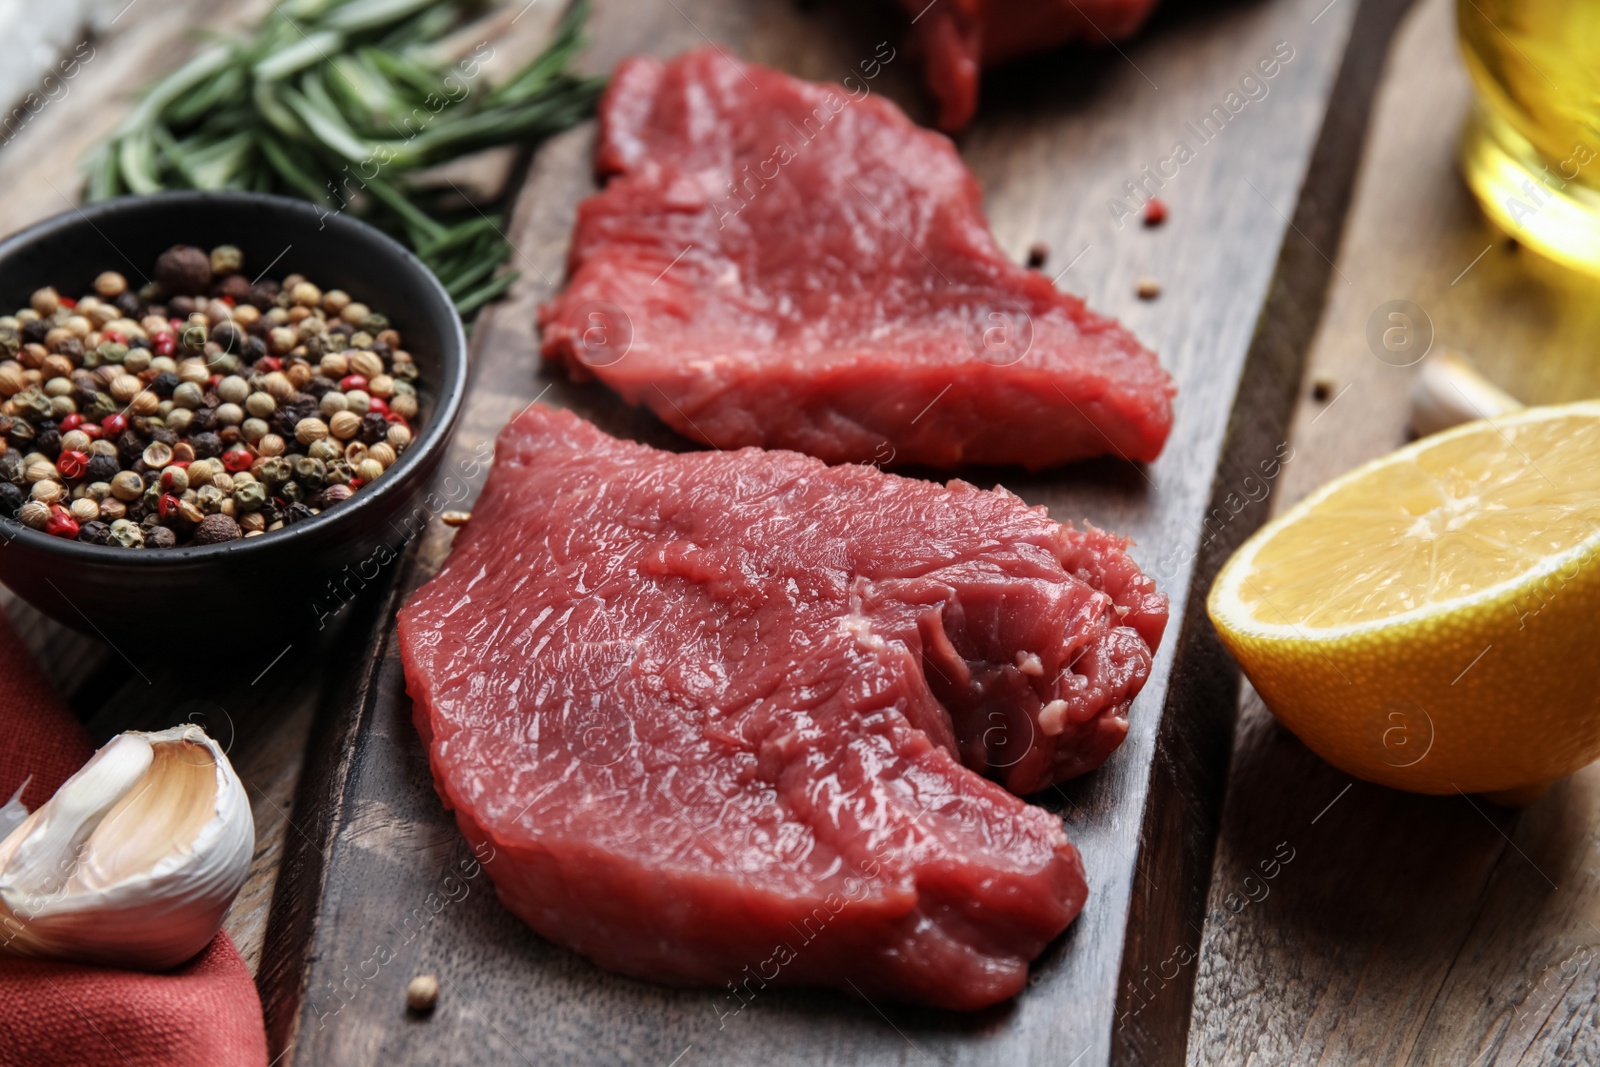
<point>958,38</point>
<point>774,263</point>
<point>711,710</point>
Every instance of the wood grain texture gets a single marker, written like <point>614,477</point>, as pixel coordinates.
<point>385,896</point>
<point>1407,929</point>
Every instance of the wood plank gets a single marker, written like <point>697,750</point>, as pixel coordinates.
<point>1057,138</point>
<point>1407,929</point>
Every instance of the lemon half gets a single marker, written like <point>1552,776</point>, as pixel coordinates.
<point>1431,620</point>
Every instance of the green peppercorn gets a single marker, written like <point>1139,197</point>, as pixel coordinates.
<point>249,496</point>
<point>127,534</point>
<point>325,450</point>
<point>339,472</point>
<point>209,498</point>
<point>100,406</point>
<point>112,351</point>
<point>275,470</point>
<point>33,404</point>
<point>226,259</point>
<point>310,472</point>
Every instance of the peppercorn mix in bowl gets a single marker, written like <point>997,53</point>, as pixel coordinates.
<point>215,393</point>
<point>202,408</point>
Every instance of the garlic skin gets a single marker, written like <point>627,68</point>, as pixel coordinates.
<point>135,860</point>
<point>1450,390</point>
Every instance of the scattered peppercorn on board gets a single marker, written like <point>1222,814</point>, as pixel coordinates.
<point>1389,927</point>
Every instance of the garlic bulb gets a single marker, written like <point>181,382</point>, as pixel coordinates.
<point>1449,391</point>
<point>135,860</point>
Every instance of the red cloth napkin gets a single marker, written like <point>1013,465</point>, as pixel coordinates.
<point>204,1014</point>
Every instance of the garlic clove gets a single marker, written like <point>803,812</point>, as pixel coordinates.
<point>1449,391</point>
<point>12,812</point>
<point>135,860</point>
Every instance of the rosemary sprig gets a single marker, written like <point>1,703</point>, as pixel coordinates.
<point>340,102</point>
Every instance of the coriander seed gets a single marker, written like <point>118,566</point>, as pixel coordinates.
<point>309,430</point>
<point>344,425</point>
<point>366,364</point>
<point>34,514</point>
<point>127,486</point>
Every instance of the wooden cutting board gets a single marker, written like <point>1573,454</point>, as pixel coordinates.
<point>377,885</point>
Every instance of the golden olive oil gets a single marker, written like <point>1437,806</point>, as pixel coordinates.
<point>1531,149</point>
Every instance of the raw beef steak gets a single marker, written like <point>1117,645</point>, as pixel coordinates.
<point>711,711</point>
<point>773,262</point>
<point>958,38</point>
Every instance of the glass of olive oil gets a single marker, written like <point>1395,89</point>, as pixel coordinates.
<point>1531,149</point>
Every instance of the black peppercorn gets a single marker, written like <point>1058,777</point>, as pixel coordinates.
<point>13,469</point>
<point>159,537</point>
<point>48,439</point>
<point>130,446</point>
<point>236,286</point>
<point>163,384</point>
<point>11,498</point>
<point>291,412</point>
<point>254,349</point>
<point>101,468</point>
<point>164,435</point>
<point>206,445</point>
<point>201,420</point>
<point>230,337</point>
<point>72,348</point>
<point>127,302</point>
<point>374,427</point>
<point>296,513</point>
<point>184,269</point>
<point>181,307</point>
<point>264,294</point>
<point>34,332</point>
<point>94,532</point>
<point>320,385</point>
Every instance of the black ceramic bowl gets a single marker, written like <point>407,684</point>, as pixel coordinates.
<point>125,594</point>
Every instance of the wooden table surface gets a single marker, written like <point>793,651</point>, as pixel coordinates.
<point>1403,929</point>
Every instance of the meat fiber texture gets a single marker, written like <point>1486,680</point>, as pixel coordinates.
<point>721,716</point>
<point>779,263</point>
<point>957,38</point>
